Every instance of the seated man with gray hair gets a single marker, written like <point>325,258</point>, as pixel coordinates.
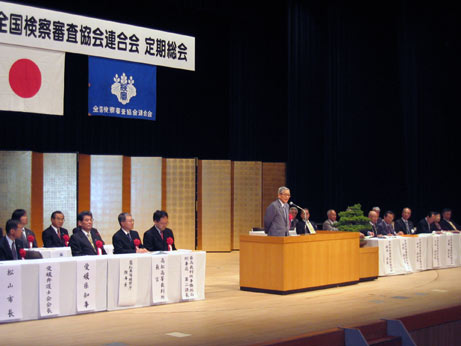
<point>276,218</point>
<point>330,222</point>
<point>124,239</point>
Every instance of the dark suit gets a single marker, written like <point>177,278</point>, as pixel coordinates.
<point>293,223</point>
<point>435,226</point>
<point>25,241</point>
<point>1,232</point>
<point>153,241</point>
<point>5,250</point>
<point>301,227</point>
<point>50,237</point>
<point>80,244</point>
<point>399,226</point>
<point>373,228</point>
<point>385,229</point>
<point>446,225</point>
<point>123,244</point>
<point>423,227</point>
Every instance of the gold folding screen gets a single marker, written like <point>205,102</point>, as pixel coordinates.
<point>274,176</point>
<point>247,198</point>
<point>214,212</point>
<point>60,188</point>
<point>146,191</point>
<point>106,193</point>
<point>225,199</point>
<point>15,183</point>
<point>179,191</point>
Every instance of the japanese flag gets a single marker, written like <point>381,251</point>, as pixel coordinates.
<point>31,80</point>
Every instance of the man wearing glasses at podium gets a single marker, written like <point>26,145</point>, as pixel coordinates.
<point>276,219</point>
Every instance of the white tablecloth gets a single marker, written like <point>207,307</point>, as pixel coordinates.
<point>401,255</point>
<point>54,252</point>
<point>144,282</point>
<point>107,284</point>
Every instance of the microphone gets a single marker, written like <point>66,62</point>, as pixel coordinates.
<point>30,239</point>
<point>295,205</point>
<point>169,241</point>
<point>22,253</point>
<point>99,246</point>
<point>137,242</point>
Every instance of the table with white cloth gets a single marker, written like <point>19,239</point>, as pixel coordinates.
<point>28,296</point>
<point>408,254</point>
<point>64,251</point>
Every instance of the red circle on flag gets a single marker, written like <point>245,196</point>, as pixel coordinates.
<point>25,78</point>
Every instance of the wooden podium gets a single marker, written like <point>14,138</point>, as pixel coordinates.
<point>286,265</point>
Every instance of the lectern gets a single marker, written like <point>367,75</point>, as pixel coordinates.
<point>286,265</point>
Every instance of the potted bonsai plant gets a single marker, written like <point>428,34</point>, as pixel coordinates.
<point>353,220</point>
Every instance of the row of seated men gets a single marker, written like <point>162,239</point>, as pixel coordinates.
<point>434,221</point>
<point>84,239</point>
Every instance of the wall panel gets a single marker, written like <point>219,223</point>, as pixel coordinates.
<point>106,193</point>
<point>215,205</point>
<point>146,191</point>
<point>274,176</point>
<point>247,198</point>
<point>60,188</point>
<point>180,200</point>
<point>15,183</point>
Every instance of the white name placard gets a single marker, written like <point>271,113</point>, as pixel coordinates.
<point>10,292</point>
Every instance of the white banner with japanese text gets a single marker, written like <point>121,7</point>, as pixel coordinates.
<point>11,292</point>
<point>128,284</point>
<point>188,276</point>
<point>159,279</point>
<point>49,274</point>
<point>86,285</point>
<point>54,30</point>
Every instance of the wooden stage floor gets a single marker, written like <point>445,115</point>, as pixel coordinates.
<point>229,316</point>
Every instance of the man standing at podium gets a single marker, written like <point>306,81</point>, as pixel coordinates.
<point>276,219</point>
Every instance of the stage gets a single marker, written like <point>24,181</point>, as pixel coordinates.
<point>229,316</point>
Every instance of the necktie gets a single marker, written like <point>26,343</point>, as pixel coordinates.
<point>161,234</point>
<point>406,226</point>
<point>13,250</point>
<point>24,239</point>
<point>59,233</point>
<point>452,225</point>
<point>310,227</point>
<point>129,236</point>
<point>90,240</point>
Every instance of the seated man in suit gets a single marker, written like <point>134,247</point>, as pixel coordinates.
<point>386,227</point>
<point>373,216</point>
<point>377,210</point>
<point>53,235</point>
<point>123,239</point>
<point>11,243</point>
<point>304,226</point>
<point>156,238</point>
<point>293,213</point>
<point>276,219</point>
<point>447,223</point>
<point>435,226</point>
<point>20,215</point>
<point>83,241</point>
<point>424,225</point>
<point>330,222</point>
<point>404,225</point>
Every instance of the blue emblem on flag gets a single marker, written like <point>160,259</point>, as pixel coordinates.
<point>121,89</point>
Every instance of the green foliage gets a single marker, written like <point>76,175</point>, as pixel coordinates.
<point>353,220</point>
